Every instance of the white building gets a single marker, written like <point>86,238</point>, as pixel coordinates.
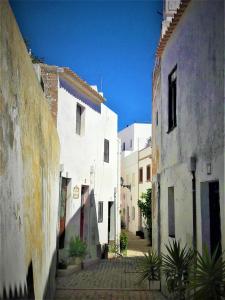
<point>188,129</point>
<point>89,160</point>
<point>135,172</point>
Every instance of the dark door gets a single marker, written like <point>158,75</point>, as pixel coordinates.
<point>84,212</point>
<point>110,204</point>
<point>215,226</point>
<point>63,212</point>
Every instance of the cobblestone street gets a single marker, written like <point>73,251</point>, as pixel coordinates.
<point>110,279</point>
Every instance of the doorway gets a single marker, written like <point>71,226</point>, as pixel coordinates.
<point>63,201</point>
<point>110,221</point>
<point>211,221</point>
<point>215,226</point>
<point>83,212</point>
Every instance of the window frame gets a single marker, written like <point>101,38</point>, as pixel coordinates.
<point>81,119</point>
<point>140,178</point>
<point>172,100</point>
<point>171,213</point>
<point>106,150</point>
<point>148,179</point>
<point>100,211</point>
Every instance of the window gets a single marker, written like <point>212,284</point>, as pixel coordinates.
<point>123,146</point>
<point>171,212</point>
<point>100,211</point>
<point>157,118</point>
<point>131,143</point>
<point>133,213</point>
<point>172,115</point>
<point>140,175</point>
<point>79,119</point>
<point>148,173</point>
<point>106,150</point>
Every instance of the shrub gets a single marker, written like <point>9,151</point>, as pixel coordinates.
<point>77,247</point>
<point>123,241</point>
<point>207,280</point>
<point>145,205</point>
<point>149,267</point>
<point>176,266</point>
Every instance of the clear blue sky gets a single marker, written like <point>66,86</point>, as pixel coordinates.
<point>112,40</point>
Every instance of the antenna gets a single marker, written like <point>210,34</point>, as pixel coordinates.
<point>101,84</point>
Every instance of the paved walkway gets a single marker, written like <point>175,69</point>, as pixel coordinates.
<point>113,279</point>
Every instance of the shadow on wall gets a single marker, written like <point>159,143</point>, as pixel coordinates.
<point>84,224</point>
<point>90,236</point>
<point>27,292</point>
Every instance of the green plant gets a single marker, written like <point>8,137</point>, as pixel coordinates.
<point>207,279</point>
<point>149,267</point>
<point>145,205</point>
<point>123,241</point>
<point>176,266</point>
<point>77,247</point>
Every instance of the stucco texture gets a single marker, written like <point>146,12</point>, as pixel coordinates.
<point>29,163</point>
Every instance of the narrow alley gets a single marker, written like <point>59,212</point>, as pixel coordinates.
<point>114,278</point>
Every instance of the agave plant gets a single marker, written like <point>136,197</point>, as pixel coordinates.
<point>207,280</point>
<point>149,267</point>
<point>176,266</point>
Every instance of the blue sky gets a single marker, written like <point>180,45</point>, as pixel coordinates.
<point>109,41</point>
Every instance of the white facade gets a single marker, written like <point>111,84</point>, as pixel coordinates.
<point>132,160</point>
<point>134,137</point>
<point>88,179</point>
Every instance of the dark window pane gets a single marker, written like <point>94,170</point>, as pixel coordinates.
<point>171,212</point>
<point>106,150</point>
<point>100,212</point>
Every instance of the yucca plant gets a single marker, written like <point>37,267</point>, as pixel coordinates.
<point>207,279</point>
<point>149,267</point>
<point>176,266</point>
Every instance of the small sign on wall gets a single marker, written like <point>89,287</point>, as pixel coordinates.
<point>76,192</point>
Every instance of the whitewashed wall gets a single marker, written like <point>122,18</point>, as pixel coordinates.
<point>83,160</point>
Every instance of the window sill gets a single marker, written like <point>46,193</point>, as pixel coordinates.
<point>172,236</point>
<point>171,129</point>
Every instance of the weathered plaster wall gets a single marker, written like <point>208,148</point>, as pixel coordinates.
<point>29,159</point>
<point>196,47</point>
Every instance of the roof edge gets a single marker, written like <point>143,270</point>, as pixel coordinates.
<point>172,26</point>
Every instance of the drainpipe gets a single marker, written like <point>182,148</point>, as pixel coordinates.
<point>193,171</point>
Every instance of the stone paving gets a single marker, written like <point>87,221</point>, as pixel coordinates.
<point>114,279</point>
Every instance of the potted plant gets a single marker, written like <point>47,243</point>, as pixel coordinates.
<point>123,242</point>
<point>176,266</point>
<point>207,279</point>
<point>149,268</point>
<point>77,250</point>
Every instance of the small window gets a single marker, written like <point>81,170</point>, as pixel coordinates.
<point>100,211</point>
<point>131,143</point>
<point>79,120</point>
<point>172,101</point>
<point>123,146</point>
<point>133,213</point>
<point>157,118</point>
<point>140,175</point>
<point>106,150</point>
<point>148,173</point>
<point>171,212</point>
